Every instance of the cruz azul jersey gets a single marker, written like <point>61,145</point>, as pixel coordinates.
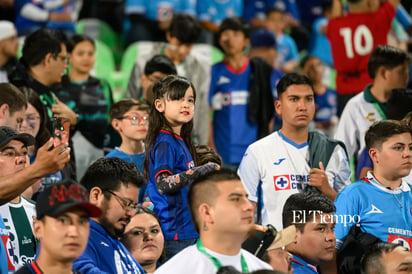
<point>228,97</point>
<point>270,176</point>
<point>170,154</point>
<point>353,37</point>
<point>384,213</point>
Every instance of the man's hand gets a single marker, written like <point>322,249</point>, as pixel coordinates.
<point>319,179</point>
<point>51,161</point>
<point>60,109</point>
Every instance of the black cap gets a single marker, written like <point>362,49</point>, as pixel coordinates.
<point>58,198</point>
<point>8,134</point>
<point>262,38</point>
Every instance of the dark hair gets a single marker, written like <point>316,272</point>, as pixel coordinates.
<point>306,59</point>
<point>76,39</point>
<point>326,5</point>
<point>118,109</point>
<point>399,104</point>
<point>235,24</point>
<point>381,131</point>
<point>355,1</point>
<point>371,261</point>
<point>185,28</point>
<point>109,173</point>
<point>172,87</point>
<point>385,56</point>
<point>307,203</point>
<point>204,187</point>
<point>228,269</point>
<point>13,97</point>
<point>160,63</point>
<point>40,43</point>
<point>292,79</point>
<point>206,154</point>
<point>274,10</point>
<point>33,98</point>
<point>407,119</point>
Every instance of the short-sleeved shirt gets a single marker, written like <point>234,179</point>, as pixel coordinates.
<point>170,154</point>
<point>352,38</point>
<point>300,266</point>
<point>380,211</point>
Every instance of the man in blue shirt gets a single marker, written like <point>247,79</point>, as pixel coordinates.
<point>312,214</point>
<point>113,187</point>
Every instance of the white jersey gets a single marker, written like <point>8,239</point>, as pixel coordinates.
<point>190,260</point>
<point>18,219</point>
<point>357,116</point>
<point>270,176</point>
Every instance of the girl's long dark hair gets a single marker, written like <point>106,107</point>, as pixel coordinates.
<point>33,98</point>
<point>172,87</point>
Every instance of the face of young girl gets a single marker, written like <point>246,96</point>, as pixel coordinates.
<point>83,57</point>
<point>178,112</point>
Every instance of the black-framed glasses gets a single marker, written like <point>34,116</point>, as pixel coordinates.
<point>137,118</point>
<point>129,205</point>
<point>64,58</point>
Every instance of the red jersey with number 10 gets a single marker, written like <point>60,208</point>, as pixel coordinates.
<point>352,38</point>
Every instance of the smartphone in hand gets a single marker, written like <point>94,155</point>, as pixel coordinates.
<point>61,131</point>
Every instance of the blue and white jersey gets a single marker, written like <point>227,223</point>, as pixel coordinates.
<point>275,167</point>
<point>170,154</point>
<point>326,106</point>
<point>300,266</point>
<point>105,254</point>
<point>216,11</point>
<point>6,266</point>
<point>319,45</point>
<point>382,212</point>
<point>287,50</point>
<point>160,10</point>
<point>22,23</point>
<point>228,97</point>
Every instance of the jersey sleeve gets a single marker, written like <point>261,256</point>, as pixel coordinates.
<point>347,210</point>
<point>88,262</point>
<point>249,174</point>
<point>163,159</point>
<point>293,50</point>
<point>338,169</point>
<point>347,132</point>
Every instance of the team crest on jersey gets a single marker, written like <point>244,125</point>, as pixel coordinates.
<point>282,182</point>
<point>370,117</point>
<point>190,164</point>
<point>400,240</point>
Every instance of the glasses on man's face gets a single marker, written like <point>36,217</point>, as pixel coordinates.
<point>129,205</point>
<point>64,58</point>
<point>136,118</point>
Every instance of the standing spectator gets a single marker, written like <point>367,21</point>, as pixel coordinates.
<point>182,34</point>
<point>90,98</point>
<point>325,98</point>
<point>313,216</point>
<point>292,159</point>
<point>170,160</point>
<point>62,227</point>
<point>113,187</point>
<point>223,216</point>
<point>8,49</point>
<point>150,20</point>
<point>353,38</point>
<point>240,95</point>
<point>288,56</point>
<point>388,67</point>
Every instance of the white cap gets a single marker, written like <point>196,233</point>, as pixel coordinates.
<point>7,29</point>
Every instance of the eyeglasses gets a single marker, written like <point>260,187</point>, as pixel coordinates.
<point>64,58</point>
<point>137,118</point>
<point>129,205</point>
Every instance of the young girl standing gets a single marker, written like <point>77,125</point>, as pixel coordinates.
<point>170,161</point>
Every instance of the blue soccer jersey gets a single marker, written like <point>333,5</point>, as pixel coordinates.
<point>170,154</point>
<point>216,11</point>
<point>160,10</point>
<point>228,97</point>
<point>382,212</point>
<point>326,106</point>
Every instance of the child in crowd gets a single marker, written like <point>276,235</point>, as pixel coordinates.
<point>90,98</point>
<point>170,161</point>
<point>325,98</point>
<point>130,118</point>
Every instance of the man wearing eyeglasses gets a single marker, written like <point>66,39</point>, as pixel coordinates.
<point>113,186</point>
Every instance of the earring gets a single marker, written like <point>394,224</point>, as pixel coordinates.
<point>205,228</point>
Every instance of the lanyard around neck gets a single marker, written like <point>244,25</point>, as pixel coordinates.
<point>216,261</point>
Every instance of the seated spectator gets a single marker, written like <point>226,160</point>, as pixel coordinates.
<point>62,228</point>
<point>313,215</point>
<point>8,49</point>
<point>143,237</point>
<point>325,98</point>
<point>387,258</point>
<point>223,217</point>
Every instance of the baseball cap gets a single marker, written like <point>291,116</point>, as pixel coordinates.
<point>58,198</point>
<point>7,29</point>
<point>262,38</point>
<point>8,134</point>
<point>284,237</point>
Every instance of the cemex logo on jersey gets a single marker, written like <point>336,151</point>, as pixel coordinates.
<point>290,181</point>
<point>400,236</point>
